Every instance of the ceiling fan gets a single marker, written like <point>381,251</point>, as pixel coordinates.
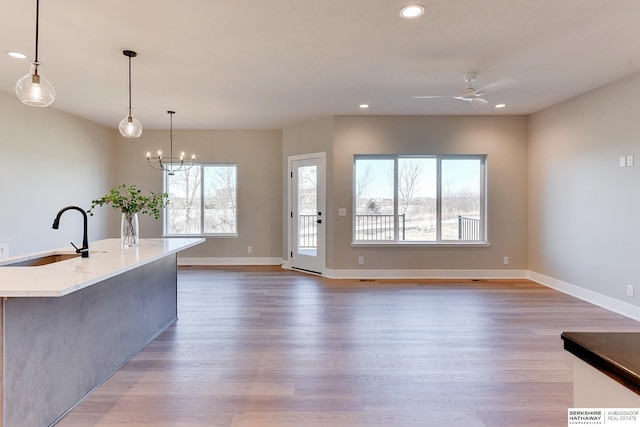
<point>473,96</point>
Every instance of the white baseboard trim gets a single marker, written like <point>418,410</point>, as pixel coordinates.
<point>425,274</point>
<point>611,304</point>
<point>183,261</point>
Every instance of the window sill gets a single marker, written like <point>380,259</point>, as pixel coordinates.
<point>451,244</point>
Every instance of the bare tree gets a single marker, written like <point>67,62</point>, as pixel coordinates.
<point>408,174</point>
<point>220,199</point>
<point>184,197</point>
<point>363,181</point>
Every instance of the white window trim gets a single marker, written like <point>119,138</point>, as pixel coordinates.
<point>484,242</point>
<point>206,235</point>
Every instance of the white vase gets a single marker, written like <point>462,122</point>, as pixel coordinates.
<point>129,232</point>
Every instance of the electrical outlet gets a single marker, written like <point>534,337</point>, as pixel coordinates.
<point>249,249</point>
<point>361,260</point>
<point>630,290</point>
<point>629,160</point>
<point>505,260</point>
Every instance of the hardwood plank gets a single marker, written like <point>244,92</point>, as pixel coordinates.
<point>265,347</point>
<point>357,419</point>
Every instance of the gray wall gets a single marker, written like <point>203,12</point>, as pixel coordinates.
<point>502,138</point>
<point>50,159</point>
<point>313,136</point>
<point>258,154</point>
<point>584,208</point>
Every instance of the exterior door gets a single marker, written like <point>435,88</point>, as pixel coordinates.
<point>307,216</point>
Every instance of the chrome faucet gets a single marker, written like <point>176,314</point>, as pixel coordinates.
<point>84,250</point>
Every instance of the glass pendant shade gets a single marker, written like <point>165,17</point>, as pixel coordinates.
<point>34,90</point>
<point>130,127</point>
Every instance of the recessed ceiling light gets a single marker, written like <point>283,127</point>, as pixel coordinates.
<point>412,11</point>
<point>364,106</point>
<point>15,54</point>
<point>500,105</point>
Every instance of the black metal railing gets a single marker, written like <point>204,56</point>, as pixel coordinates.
<point>378,227</point>
<point>468,228</point>
<point>307,231</point>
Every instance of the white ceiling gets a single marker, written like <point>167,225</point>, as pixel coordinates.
<point>265,64</point>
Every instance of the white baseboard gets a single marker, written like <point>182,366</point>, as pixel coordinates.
<point>182,261</point>
<point>426,274</point>
<point>611,304</point>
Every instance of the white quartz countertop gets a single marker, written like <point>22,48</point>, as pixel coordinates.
<point>107,259</point>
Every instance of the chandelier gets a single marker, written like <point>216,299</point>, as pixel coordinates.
<point>170,164</point>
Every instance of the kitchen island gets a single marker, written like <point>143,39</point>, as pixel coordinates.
<point>68,325</point>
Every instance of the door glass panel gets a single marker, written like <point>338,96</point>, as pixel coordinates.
<point>307,210</point>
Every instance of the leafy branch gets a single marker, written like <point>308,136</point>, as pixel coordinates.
<point>130,200</point>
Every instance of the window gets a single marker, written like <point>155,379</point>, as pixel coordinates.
<point>406,199</point>
<point>202,201</point>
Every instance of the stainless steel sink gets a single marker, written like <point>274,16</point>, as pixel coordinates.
<point>43,260</point>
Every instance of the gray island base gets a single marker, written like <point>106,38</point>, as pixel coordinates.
<point>56,350</point>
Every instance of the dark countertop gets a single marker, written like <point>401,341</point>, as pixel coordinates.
<point>615,354</point>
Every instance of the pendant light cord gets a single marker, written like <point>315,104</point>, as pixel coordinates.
<point>171,113</point>
<point>129,85</point>
<point>37,26</point>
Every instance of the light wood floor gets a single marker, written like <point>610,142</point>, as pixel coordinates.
<point>263,347</point>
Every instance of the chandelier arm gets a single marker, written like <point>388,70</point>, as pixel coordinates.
<point>167,163</point>
<point>153,166</point>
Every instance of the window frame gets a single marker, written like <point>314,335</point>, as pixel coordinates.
<point>202,166</point>
<point>483,227</point>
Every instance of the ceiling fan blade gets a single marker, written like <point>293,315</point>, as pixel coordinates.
<point>430,96</point>
<point>497,85</point>
<point>478,102</point>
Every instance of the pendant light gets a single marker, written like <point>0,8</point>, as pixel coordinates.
<point>33,89</point>
<point>170,164</point>
<point>130,127</point>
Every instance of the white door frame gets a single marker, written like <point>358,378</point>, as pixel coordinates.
<point>321,239</point>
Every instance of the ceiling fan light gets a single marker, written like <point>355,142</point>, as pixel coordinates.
<point>412,11</point>
<point>34,90</point>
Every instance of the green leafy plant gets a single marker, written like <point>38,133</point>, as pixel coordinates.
<point>130,201</point>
